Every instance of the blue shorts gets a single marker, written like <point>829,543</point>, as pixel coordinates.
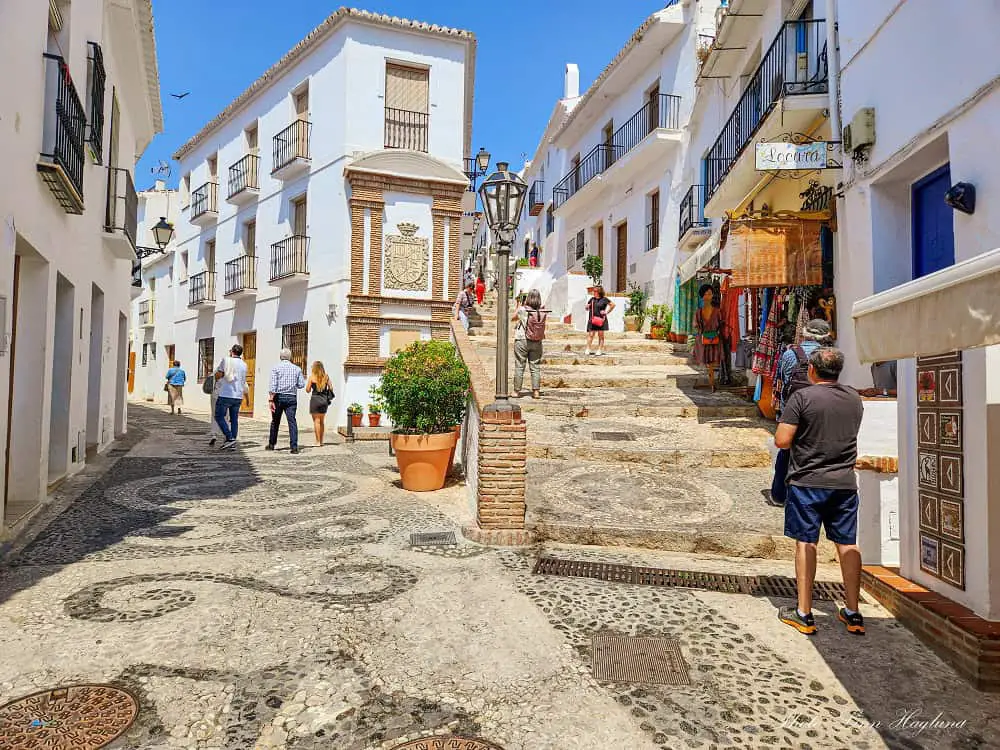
<point>808,507</point>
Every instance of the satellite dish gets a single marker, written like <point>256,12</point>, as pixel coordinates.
<point>163,170</point>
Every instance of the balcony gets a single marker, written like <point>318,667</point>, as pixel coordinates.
<point>291,151</point>
<point>205,204</point>
<point>792,78</point>
<point>652,236</point>
<point>201,290</point>
<point>290,260</point>
<point>648,134</point>
<point>121,214</point>
<point>406,129</point>
<point>244,185</point>
<point>737,29</point>
<point>536,197</point>
<point>147,307</point>
<point>694,227</point>
<point>60,162</point>
<point>136,279</point>
<point>241,277</point>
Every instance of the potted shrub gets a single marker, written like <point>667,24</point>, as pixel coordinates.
<point>354,413</point>
<point>424,391</point>
<point>593,266</point>
<point>661,316</point>
<point>374,414</point>
<point>635,311</point>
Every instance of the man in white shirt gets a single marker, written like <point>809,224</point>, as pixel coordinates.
<point>232,376</point>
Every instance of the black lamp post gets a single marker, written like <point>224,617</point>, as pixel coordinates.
<point>502,195</point>
<point>163,232</point>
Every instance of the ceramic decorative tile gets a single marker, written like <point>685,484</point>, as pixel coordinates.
<point>927,470</point>
<point>949,429</point>
<point>929,550</point>
<point>927,387</point>
<point>929,513</point>
<point>927,434</point>
<point>950,386</point>
<point>950,476</point>
<point>951,519</point>
<point>952,559</point>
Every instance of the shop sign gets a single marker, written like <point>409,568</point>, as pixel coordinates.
<point>791,156</point>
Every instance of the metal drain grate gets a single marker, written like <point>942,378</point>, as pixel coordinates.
<point>68,717</point>
<point>616,436</point>
<point>649,661</point>
<point>433,539</point>
<point>776,586</point>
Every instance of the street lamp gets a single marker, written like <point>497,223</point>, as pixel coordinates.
<point>502,195</point>
<point>163,232</point>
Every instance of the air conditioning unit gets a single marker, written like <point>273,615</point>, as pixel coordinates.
<point>861,131</point>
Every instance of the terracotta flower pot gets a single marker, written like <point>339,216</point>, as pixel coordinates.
<point>631,323</point>
<point>423,459</point>
<point>374,419</point>
<point>658,332</point>
<point>355,419</point>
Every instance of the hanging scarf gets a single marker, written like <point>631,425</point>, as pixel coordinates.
<point>685,306</point>
<point>763,357</point>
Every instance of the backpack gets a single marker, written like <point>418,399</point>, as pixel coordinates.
<point>208,384</point>
<point>799,378</point>
<point>534,327</point>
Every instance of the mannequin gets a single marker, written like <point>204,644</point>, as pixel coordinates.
<point>708,344</point>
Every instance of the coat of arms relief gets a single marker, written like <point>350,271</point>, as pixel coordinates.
<point>406,259</point>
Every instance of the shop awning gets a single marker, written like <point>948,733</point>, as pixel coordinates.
<point>700,258</point>
<point>953,309</point>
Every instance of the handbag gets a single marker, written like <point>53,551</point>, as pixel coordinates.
<point>208,384</point>
<point>595,320</point>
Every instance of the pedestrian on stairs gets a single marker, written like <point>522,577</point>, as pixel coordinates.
<point>793,375</point>
<point>480,289</point>
<point>599,308</point>
<point>466,301</point>
<point>819,426</point>
<point>529,333</point>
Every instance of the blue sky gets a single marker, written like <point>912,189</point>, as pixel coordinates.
<point>216,48</point>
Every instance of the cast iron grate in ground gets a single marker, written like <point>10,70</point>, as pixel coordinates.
<point>776,586</point>
<point>448,743</point>
<point>433,539</point>
<point>64,717</point>
<point>642,660</point>
<point>615,436</point>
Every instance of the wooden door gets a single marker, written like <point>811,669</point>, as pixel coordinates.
<point>621,267</point>
<point>171,354</point>
<point>250,357</point>
<point>10,386</point>
<point>131,371</point>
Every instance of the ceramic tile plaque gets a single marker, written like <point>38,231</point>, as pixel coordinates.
<point>940,467</point>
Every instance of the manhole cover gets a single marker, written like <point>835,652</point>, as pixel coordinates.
<point>776,586</point>
<point>649,661</point>
<point>617,436</point>
<point>448,743</point>
<point>433,539</point>
<point>74,717</point>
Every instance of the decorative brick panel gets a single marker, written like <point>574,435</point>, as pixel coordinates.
<point>375,248</point>
<point>878,464</point>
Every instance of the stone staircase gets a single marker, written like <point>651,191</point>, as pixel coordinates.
<point>623,449</point>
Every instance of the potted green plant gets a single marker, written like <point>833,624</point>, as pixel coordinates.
<point>374,414</point>
<point>661,316</point>
<point>635,311</point>
<point>593,266</point>
<point>424,390</point>
<point>354,413</point>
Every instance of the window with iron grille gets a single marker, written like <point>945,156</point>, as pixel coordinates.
<point>95,94</point>
<point>206,358</point>
<point>581,247</point>
<point>550,221</point>
<point>145,354</point>
<point>295,336</point>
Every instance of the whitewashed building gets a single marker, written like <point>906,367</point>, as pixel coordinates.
<point>323,209</point>
<point>927,252</point>
<point>81,103</point>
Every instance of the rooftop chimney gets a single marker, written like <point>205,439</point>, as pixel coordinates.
<point>571,86</point>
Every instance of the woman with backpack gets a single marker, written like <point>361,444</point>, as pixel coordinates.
<point>529,333</point>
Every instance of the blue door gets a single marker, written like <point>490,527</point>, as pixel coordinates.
<point>933,224</point>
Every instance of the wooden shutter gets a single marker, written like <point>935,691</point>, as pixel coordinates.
<point>406,88</point>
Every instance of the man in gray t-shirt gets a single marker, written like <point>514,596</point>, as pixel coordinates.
<point>819,426</point>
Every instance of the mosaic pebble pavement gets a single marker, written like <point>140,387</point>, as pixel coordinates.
<point>252,599</point>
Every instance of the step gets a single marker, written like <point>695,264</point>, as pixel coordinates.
<point>598,402</point>
<point>578,346</point>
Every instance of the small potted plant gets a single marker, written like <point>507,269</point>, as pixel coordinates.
<point>661,316</point>
<point>635,311</point>
<point>374,414</point>
<point>354,413</point>
<point>424,390</point>
<point>593,266</point>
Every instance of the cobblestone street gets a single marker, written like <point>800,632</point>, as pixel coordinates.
<point>263,600</point>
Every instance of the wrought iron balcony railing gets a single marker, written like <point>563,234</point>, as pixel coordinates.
<point>241,274</point>
<point>290,257</point>
<point>243,175</point>
<point>536,197</point>
<point>692,212</point>
<point>795,64</point>
<point>652,235</point>
<point>406,129</point>
<point>205,200</point>
<point>662,111</point>
<point>122,207</point>
<point>137,274</point>
<point>201,288</point>
<point>292,143</point>
<point>63,130</point>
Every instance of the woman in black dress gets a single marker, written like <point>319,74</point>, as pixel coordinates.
<point>599,308</point>
<point>322,395</point>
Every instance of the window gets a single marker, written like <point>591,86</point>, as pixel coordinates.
<point>653,220</point>
<point>295,336</point>
<point>152,285</point>
<point>253,146</point>
<point>250,238</point>
<point>184,265</point>
<point>185,191</point>
<point>145,354</point>
<point>210,255</point>
<point>213,168</point>
<point>407,103</point>
<point>299,225</point>
<point>206,358</point>
<point>301,100</point>
<point>96,77</point>
<point>550,221</point>
<point>581,245</point>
